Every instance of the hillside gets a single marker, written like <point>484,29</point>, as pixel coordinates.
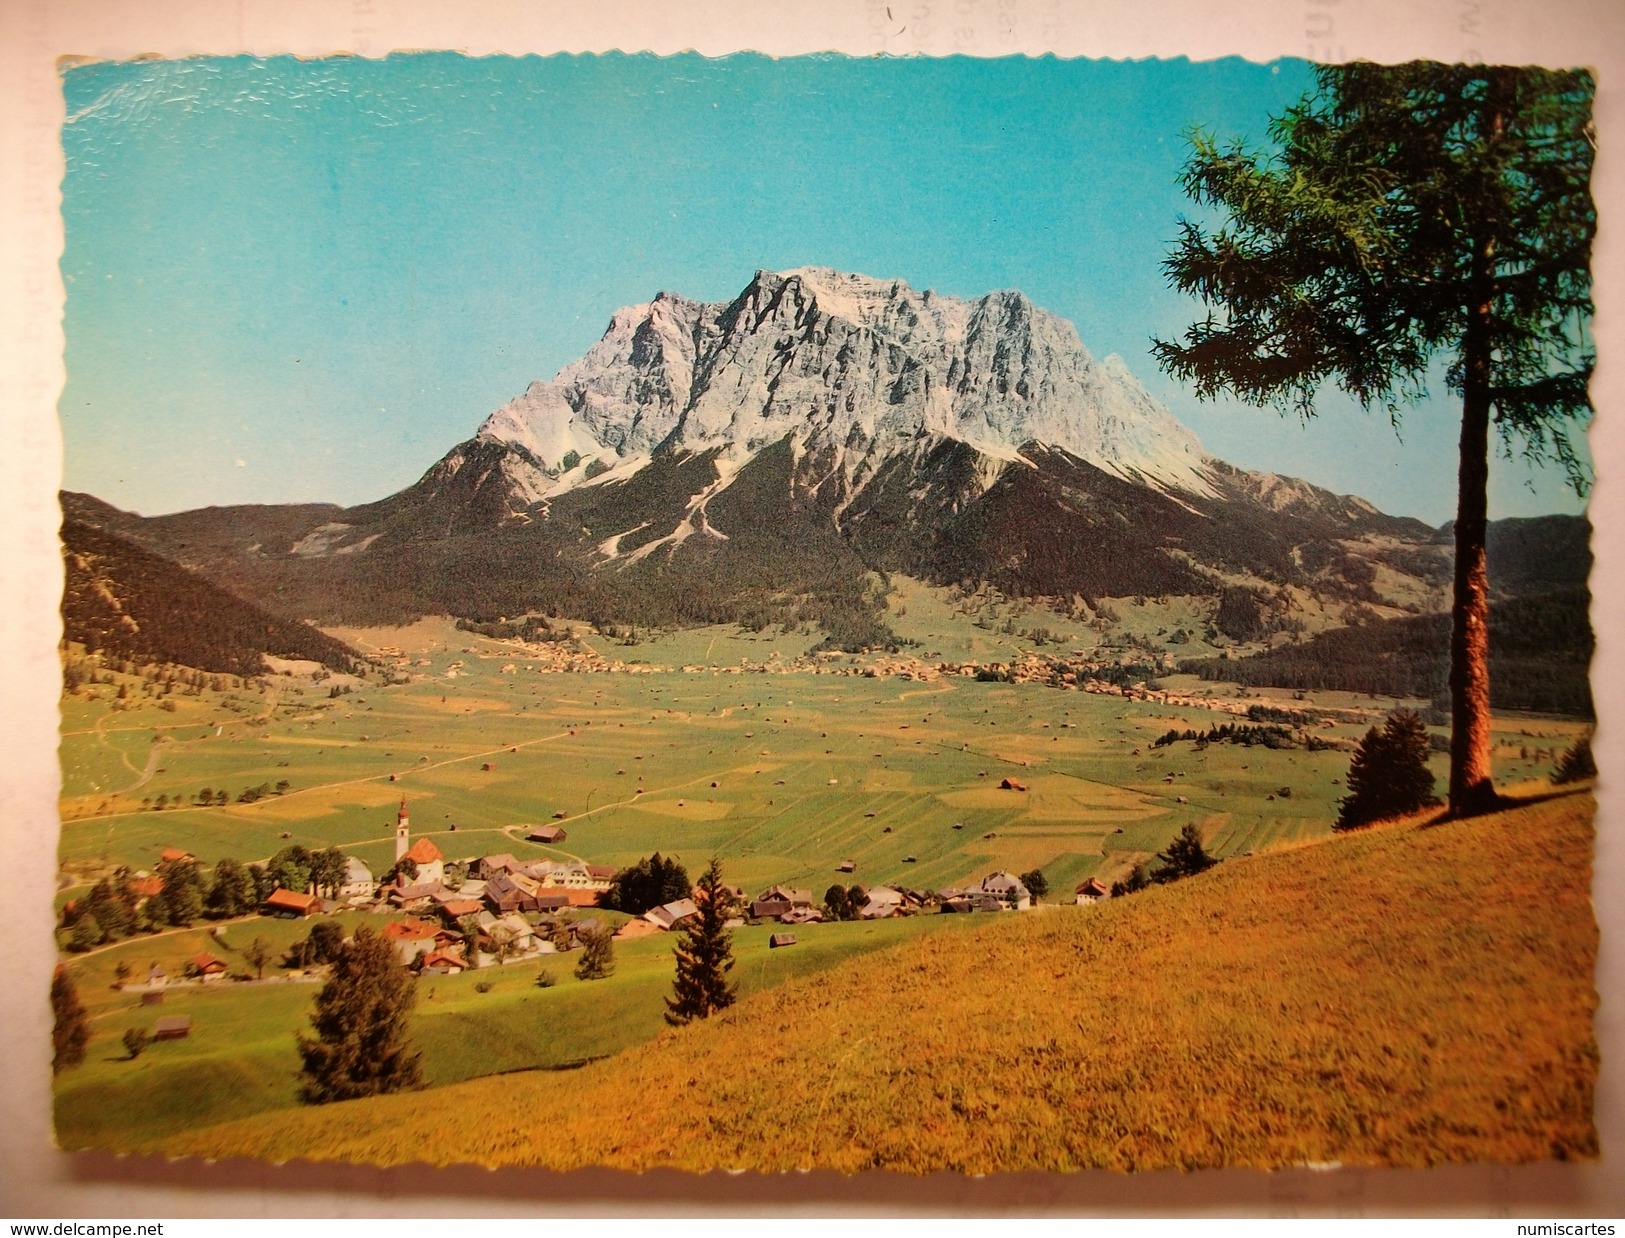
<point>123,600</point>
<point>1408,995</point>
<point>1540,656</point>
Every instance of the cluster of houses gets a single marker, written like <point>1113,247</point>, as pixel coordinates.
<point>510,907</point>
<point>493,893</point>
<point>998,891</point>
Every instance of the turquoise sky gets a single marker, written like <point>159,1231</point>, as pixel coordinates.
<point>307,280</point>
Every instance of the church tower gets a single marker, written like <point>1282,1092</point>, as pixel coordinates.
<point>402,825</point>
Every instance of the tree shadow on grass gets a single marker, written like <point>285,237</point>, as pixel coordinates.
<point>1504,802</point>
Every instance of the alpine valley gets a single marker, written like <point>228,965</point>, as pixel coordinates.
<point>769,459</point>
<point>882,614</point>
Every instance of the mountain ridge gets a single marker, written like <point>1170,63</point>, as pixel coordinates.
<point>779,448</point>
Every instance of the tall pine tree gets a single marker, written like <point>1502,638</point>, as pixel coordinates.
<point>704,955</point>
<point>1410,212</point>
<point>361,1047</point>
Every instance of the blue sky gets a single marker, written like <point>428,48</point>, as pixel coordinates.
<point>299,281</point>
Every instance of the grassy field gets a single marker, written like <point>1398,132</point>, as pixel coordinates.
<point>783,776</point>
<point>481,745</point>
<point>241,1060</point>
<point>1409,995</point>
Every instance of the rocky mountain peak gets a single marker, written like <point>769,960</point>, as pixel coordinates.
<point>851,370</point>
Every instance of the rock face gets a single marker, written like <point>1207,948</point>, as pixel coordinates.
<point>758,460</point>
<point>851,373</point>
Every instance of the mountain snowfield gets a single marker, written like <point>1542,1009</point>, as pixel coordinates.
<point>854,372</point>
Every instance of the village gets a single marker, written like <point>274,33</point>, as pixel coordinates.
<point>451,916</point>
<point>1129,674</point>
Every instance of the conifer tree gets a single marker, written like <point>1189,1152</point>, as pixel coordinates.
<point>1185,857</point>
<point>704,955</point>
<point>135,1040</point>
<point>1388,775</point>
<point>1410,213</point>
<point>1576,764</point>
<point>361,1047</point>
<point>70,1028</point>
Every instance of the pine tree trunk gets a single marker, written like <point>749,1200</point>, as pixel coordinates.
<point>1472,789</point>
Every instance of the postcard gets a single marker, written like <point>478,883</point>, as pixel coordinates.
<point>908,613</point>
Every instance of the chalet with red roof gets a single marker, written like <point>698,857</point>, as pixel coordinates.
<point>1091,891</point>
<point>208,967</point>
<point>443,963</point>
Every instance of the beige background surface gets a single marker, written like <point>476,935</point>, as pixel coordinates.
<point>38,1181</point>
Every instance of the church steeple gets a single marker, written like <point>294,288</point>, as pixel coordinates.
<point>402,827</point>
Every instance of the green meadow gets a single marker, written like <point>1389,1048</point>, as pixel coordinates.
<point>241,1057</point>
<point>782,776</point>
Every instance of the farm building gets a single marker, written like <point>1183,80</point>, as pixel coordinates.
<point>1004,886</point>
<point>491,865</point>
<point>290,904</point>
<point>145,886</point>
<point>508,892</point>
<point>172,1027</point>
<point>579,932</point>
<point>672,914</point>
<point>882,903</point>
<point>966,901</point>
<point>1092,891</point>
<point>781,939</point>
<point>778,901</point>
<point>156,977</point>
<point>173,855</point>
<point>847,866</point>
<point>208,967</point>
<point>413,895</point>
<point>548,834</point>
<point>1011,784</point>
<point>572,875</point>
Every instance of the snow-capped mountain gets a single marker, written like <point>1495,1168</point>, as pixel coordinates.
<point>763,457</point>
<point>851,372</point>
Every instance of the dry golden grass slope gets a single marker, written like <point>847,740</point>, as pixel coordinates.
<point>1403,996</point>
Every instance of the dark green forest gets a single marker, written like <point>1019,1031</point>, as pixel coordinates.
<point>125,601</point>
<point>1540,653</point>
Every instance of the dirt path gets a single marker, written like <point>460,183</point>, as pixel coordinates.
<point>144,775</point>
